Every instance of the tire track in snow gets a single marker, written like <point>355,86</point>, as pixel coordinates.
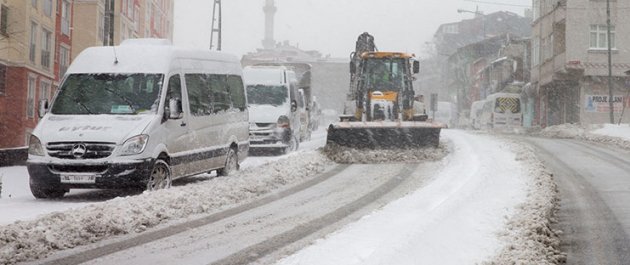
<point>103,250</point>
<point>255,252</point>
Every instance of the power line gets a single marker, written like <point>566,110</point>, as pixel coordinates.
<point>498,4</point>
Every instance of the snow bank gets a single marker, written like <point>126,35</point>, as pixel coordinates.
<point>618,135</point>
<point>31,240</point>
<point>346,155</point>
<point>529,238</point>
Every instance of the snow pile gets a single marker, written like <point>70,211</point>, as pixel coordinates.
<point>346,155</point>
<point>614,130</point>
<point>618,135</point>
<point>565,131</point>
<point>529,238</point>
<point>31,240</point>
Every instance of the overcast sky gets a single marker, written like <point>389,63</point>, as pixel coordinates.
<point>329,26</point>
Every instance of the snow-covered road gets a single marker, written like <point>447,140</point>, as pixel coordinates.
<point>463,209</point>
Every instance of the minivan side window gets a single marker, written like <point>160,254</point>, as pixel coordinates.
<point>174,90</point>
<point>199,94</point>
<point>220,94</point>
<point>207,94</point>
<point>237,94</point>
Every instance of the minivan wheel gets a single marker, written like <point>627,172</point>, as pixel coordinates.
<point>294,144</point>
<point>47,192</point>
<point>160,177</point>
<point>231,164</point>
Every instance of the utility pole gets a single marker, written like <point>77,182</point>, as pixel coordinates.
<point>216,17</point>
<point>610,84</point>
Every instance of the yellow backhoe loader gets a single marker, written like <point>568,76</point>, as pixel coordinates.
<point>382,95</point>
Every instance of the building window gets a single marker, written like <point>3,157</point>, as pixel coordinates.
<point>65,17</point>
<point>535,51</point>
<point>536,9</point>
<point>44,90</point>
<point>34,3</point>
<point>46,43</point>
<point>64,60</point>
<point>101,27</point>
<point>33,42</point>
<point>48,8</point>
<point>3,79</point>
<point>30,99</point>
<point>4,20</point>
<point>451,29</point>
<point>599,38</point>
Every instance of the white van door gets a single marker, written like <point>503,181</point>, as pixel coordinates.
<point>178,139</point>
<point>208,104</point>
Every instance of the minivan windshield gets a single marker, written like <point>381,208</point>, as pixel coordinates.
<point>267,95</point>
<point>108,93</point>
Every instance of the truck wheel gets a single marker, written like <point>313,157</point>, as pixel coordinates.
<point>231,164</point>
<point>160,177</point>
<point>47,192</point>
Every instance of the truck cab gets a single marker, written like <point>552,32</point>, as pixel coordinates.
<point>276,108</point>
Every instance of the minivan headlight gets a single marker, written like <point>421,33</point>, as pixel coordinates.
<point>134,145</point>
<point>35,146</point>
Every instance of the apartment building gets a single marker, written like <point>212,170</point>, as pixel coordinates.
<point>109,22</point>
<point>570,60</point>
<point>35,43</point>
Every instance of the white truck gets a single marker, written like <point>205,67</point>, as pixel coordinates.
<point>276,108</point>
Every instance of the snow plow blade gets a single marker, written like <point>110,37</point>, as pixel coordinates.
<point>384,135</point>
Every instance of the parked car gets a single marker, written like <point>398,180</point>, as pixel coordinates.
<point>276,108</point>
<point>119,123</point>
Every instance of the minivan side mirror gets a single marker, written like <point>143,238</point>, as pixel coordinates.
<point>175,108</point>
<point>293,105</point>
<point>43,107</point>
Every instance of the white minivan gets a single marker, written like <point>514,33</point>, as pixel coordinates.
<point>140,115</point>
<point>275,109</point>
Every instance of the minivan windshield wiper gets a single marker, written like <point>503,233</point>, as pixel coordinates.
<point>76,100</point>
<point>127,101</point>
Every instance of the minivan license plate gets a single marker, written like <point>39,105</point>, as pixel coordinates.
<point>80,179</point>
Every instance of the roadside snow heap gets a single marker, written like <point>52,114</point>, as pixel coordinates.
<point>588,133</point>
<point>529,238</point>
<point>347,155</point>
<point>36,239</point>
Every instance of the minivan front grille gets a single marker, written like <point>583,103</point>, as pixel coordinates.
<point>80,150</point>
<point>97,169</point>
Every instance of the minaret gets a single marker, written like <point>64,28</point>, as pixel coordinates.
<point>270,10</point>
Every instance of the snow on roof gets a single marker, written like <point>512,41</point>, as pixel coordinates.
<point>145,56</point>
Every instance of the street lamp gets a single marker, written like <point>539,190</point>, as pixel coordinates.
<point>477,14</point>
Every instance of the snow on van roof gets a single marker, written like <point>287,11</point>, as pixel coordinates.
<point>147,41</point>
<point>266,75</point>
<point>150,56</point>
